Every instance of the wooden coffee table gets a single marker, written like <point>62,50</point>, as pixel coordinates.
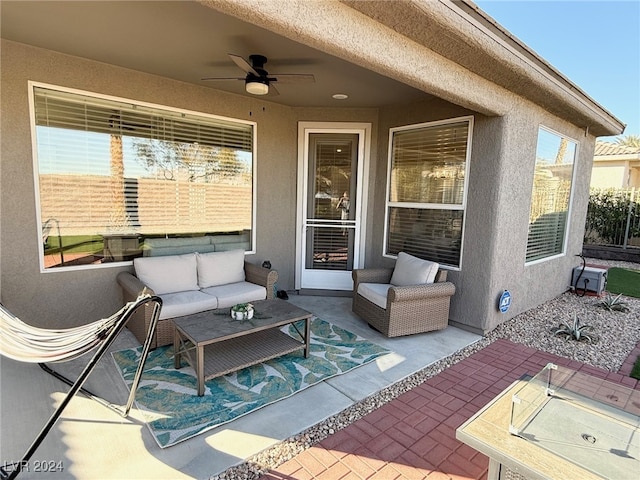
<point>214,344</point>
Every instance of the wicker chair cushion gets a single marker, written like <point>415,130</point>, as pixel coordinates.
<point>375,292</point>
<point>175,273</point>
<point>220,268</point>
<point>186,303</point>
<point>240,292</point>
<point>410,270</point>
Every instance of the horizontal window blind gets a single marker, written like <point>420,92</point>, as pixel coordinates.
<point>551,195</point>
<point>110,171</point>
<point>426,198</point>
<point>79,112</point>
<point>328,248</point>
<point>434,235</point>
<point>428,164</point>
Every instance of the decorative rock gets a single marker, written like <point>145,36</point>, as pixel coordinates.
<point>618,332</point>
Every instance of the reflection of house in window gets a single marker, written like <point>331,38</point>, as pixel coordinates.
<point>113,173</point>
<point>551,195</point>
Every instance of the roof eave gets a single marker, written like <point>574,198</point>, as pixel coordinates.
<point>603,118</point>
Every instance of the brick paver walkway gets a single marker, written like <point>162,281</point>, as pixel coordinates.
<point>413,436</point>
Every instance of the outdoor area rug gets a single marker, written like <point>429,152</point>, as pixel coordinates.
<point>173,411</point>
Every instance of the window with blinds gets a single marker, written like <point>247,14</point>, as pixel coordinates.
<point>551,195</point>
<point>426,194</point>
<point>114,174</point>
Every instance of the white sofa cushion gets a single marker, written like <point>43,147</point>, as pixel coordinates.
<point>175,273</point>
<point>186,303</point>
<point>240,292</point>
<point>375,292</point>
<point>410,270</point>
<point>220,268</point>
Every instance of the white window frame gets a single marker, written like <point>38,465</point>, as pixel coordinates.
<point>432,206</point>
<point>567,227</point>
<point>32,85</point>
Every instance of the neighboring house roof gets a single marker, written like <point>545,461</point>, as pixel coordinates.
<point>608,149</point>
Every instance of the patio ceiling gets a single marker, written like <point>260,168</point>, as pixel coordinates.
<point>186,41</point>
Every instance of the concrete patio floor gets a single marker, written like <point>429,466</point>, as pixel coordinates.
<point>92,442</point>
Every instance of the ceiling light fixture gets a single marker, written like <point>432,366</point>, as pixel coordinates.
<point>340,96</point>
<point>257,86</point>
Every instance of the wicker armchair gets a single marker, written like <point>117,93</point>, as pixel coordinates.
<point>132,287</point>
<point>410,309</point>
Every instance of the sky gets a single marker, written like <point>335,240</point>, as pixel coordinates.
<point>596,44</point>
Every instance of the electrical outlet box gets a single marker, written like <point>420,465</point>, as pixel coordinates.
<point>592,279</point>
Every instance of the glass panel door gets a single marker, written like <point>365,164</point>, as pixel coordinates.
<point>331,225</point>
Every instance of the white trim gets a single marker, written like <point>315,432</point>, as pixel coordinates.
<point>363,130</point>
<point>431,206</point>
<point>36,168</point>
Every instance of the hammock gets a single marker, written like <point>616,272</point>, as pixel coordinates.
<point>25,343</point>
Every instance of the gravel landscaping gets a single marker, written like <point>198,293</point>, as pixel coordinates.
<point>618,333</point>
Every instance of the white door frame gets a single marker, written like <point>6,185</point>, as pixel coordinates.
<point>331,280</point>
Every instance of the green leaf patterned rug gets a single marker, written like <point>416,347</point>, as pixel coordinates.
<point>174,412</point>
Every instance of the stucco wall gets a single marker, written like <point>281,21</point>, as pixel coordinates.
<point>496,219</point>
<point>610,175</point>
<point>74,297</point>
<point>499,191</point>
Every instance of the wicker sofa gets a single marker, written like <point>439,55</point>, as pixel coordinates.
<point>395,306</point>
<point>192,283</point>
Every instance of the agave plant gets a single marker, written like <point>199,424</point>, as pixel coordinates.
<point>576,331</point>
<point>612,303</point>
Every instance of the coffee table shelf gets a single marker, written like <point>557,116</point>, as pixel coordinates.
<point>231,355</point>
<point>214,344</point>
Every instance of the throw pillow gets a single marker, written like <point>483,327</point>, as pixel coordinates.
<point>410,270</point>
<point>174,273</point>
<point>220,268</point>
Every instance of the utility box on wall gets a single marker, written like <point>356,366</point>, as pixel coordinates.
<point>592,279</point>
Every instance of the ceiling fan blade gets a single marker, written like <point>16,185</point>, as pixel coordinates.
<point>273,91</point>
<point>221,78</point>
<point>294,78</point>
<point>243,64</point>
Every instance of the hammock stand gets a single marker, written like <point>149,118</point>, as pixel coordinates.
<point>103,337</point>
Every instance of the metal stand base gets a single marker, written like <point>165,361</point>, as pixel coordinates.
<point>77,385</point>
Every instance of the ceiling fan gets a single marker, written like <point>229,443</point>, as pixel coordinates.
<point>258,81</point>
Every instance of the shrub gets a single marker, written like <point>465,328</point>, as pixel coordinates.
<point>576,331</point>
<point>613,304</point>
<point>607,216</point>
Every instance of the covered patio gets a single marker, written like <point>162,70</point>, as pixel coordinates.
<point>91,441</point>
<point>411,69</point>
<point>394,418</point>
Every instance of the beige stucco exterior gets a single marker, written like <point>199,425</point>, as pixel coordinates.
<point>615,166</point>
<point>499,186</point>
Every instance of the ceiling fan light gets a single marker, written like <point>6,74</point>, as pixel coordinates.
<point>255,87</point>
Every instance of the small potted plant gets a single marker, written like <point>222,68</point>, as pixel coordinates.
<point>242,311</point>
